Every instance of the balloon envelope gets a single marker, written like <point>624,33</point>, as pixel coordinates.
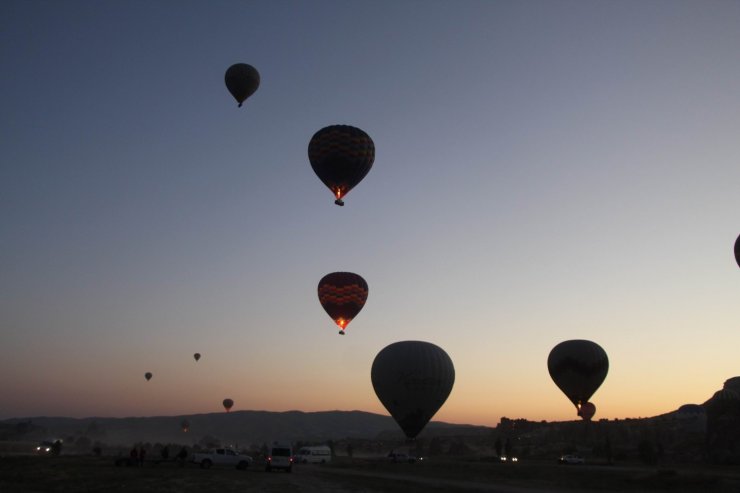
<point>148,376</point>
<point>228,404</point>
<point>737,251</point>
<point>185,425</point>
<point>578,368</point>
<point>412,380</point>
<point>341,156</point>
<point>196,356</point>
<point>242,80</point>
<point>342,295</point>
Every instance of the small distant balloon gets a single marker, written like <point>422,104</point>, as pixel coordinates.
<point>242,80</point>
<point>228,404</point>
<point>578,368</point>
<point>586,411</point>
<point>185,425</point>
<point>342,295</point>
<point>341,156</point>
<point>148,376</point>
<point>196,356</point>
<point>737,251</point>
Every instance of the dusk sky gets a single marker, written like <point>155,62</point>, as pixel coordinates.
<point>545,170</point>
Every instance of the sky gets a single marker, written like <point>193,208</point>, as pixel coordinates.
<point>544,171</point>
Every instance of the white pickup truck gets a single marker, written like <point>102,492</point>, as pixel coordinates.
<point>221,457</point>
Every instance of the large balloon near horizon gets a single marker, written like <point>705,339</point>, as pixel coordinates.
<point>148,376</point>
<point>578,368</point>
<point>242,80</point>
<point>341,156</point>
<point>412,380</point>
<point>342,294</point>
<point>228,404</point>
<point>737,251</point>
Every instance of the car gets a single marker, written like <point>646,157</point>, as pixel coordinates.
<point>44,448</point>
<point>320,454</point>
<point>280,457</point>
<point>404,457</point>
<point>509,460</point>
<point>571,459</point>
<point>221,456</point>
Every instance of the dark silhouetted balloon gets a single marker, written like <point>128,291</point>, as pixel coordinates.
<point>148,376</point>
<point>587,411</point>
<point>342,294</point>
<point>228,404</point>
<point>185,425</point>
<point>412,379</point>
<point>242,80</point>
<point>341,156</point>
<point>737,251</point>
<point>578,368</point>
<point>196,356</point>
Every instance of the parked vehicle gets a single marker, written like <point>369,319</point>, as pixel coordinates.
<point>221,456</point>
<point>571,459</point>
<point>280,457</point>
<point>320,454</point>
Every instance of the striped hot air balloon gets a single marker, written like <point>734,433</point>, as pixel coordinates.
<point>342,294</point>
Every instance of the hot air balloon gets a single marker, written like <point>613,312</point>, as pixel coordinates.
<point>228,404</point>
<point>587,411</point>
<point>196,356</point>
<point>341,156</point>
<point>342,294</point>
<point>412,379</point>
<point>185,425</point>
<point>242,80</point>
<point>737,251</point>
<point>148,376</point>
<point>578,368</point>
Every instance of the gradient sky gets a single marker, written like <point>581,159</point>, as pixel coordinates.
<point>545,170</point>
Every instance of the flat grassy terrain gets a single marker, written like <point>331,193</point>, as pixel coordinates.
<point>97,474</point>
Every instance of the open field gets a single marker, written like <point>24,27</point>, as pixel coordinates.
<point>72,474</point>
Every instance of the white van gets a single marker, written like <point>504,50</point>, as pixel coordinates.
<point>280,457</point>
<point>320,454</point>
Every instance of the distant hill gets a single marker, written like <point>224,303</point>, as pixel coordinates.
<point>243,427</point>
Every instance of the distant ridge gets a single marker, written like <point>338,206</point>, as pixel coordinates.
<point>243,427</point>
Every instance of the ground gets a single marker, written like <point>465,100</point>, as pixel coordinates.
<point>73,474</point>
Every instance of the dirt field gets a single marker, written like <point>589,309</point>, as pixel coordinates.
<point>71,474</point>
